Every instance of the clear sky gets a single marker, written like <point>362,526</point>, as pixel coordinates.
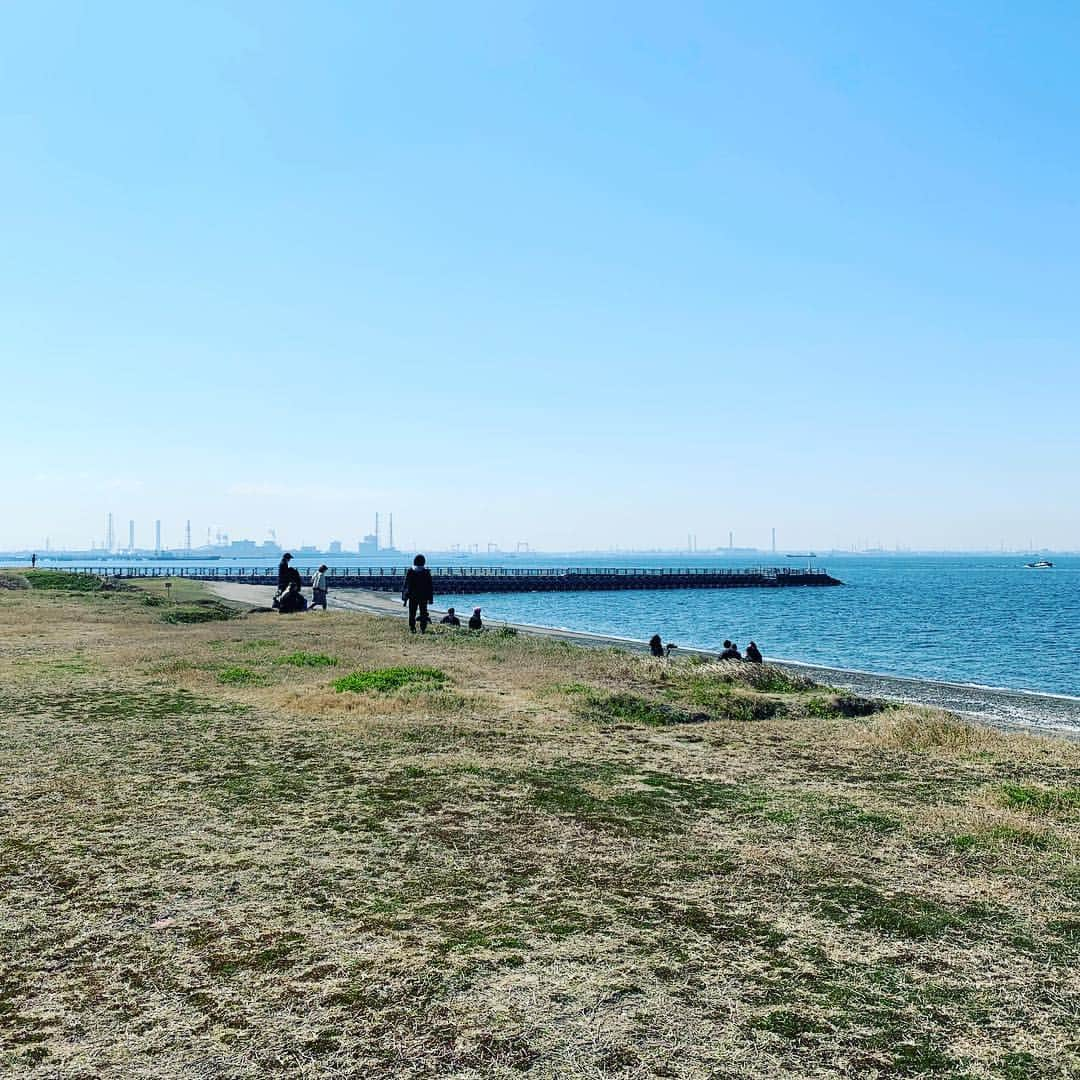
<point>576,274</point>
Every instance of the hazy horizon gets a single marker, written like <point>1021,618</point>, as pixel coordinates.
<point>519,272</point>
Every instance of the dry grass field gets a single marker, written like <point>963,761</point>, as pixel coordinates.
<point>487,855</point>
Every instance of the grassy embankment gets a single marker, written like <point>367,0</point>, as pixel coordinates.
<point>314,845</point>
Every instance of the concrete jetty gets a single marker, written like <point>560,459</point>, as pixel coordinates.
<point>450,580</point>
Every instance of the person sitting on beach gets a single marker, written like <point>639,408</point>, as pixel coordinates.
<point>753,653</point>
<point>293,598</point>
<point>731,651</point>
<point>318,587</point>
<point>475,622</point>
<point>418,591</point>
<point>656,645</point>
<point>450,619</point>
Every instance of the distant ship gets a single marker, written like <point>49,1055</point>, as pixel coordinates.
<point>1042,564</point>
<point>802,555</point>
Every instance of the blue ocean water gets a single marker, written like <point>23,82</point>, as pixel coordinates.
<point>979,620</point>
<point>983,620</point>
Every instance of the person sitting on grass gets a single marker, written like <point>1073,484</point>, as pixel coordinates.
<point>286,575</point>
<point>753,654</point>
<point>293,598</point>
<point>475,622</point>
<point>731,651</point>
<point>450,619</point>
<point>418,591</point>
<point>656,646</point>
<point>318,588</point>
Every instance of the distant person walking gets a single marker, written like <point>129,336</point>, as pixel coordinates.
<point>475,622</point>
<point>33,561</point>
<point>753,653</point>
<point>318,588</point>
<point>450,618</point>
<point>418,591</point>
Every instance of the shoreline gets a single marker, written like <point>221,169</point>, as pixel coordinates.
<point>1016,710</point>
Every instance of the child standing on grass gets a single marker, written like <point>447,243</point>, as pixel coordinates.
<point>318,588</point>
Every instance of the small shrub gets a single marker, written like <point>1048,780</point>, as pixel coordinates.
<point>386,680</point>
<point>845,706</point>
<point>307,659</point>
<point>237,676</point>
<point>13,581</point>
<point>742,708</point>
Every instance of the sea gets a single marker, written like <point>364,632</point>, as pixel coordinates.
<point>985,621</point>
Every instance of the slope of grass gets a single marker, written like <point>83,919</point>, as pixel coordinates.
<point>506,856</point>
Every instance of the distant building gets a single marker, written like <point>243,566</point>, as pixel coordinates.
<point>369,545</point>
<point>335,547</point>
<point>308,549</point>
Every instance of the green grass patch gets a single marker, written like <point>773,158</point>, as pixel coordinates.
<point>63,581</point>
<point>238,676</point>
<point>631,709</point>
<point>1048,802</point>
<point>386,680</point>
<point>307,659</point>
<point>1002,836</point>
<point>201,611</point>
<point>900,915</point>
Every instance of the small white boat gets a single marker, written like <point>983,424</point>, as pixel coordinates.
<point>1042,564</point>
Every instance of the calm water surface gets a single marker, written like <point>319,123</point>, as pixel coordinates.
<point>987,621</point>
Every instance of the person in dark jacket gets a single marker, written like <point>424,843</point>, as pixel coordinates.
<point>292,599</point>
<point>731,651</point>
<point>450,618</point>
<point>656,645</point>
<point>283,572</point>
<point>475,622</point>
<point>418,591</point>
<point>753,653</point>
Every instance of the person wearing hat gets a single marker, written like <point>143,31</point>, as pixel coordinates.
<point>418,591</point>
<point>450,619</point>
<point>475,622</point>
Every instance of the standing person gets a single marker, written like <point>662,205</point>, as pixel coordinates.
<point>318,588</point>
<point>753,653</point>
<point>33,561</point>
<point>450,618</point>
<point>475,622</point>
<point>418,591</point>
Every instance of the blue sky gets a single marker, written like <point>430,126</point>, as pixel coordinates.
<point>581,275</point>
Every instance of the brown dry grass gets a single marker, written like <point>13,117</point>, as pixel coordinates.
<point>567,863</point>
